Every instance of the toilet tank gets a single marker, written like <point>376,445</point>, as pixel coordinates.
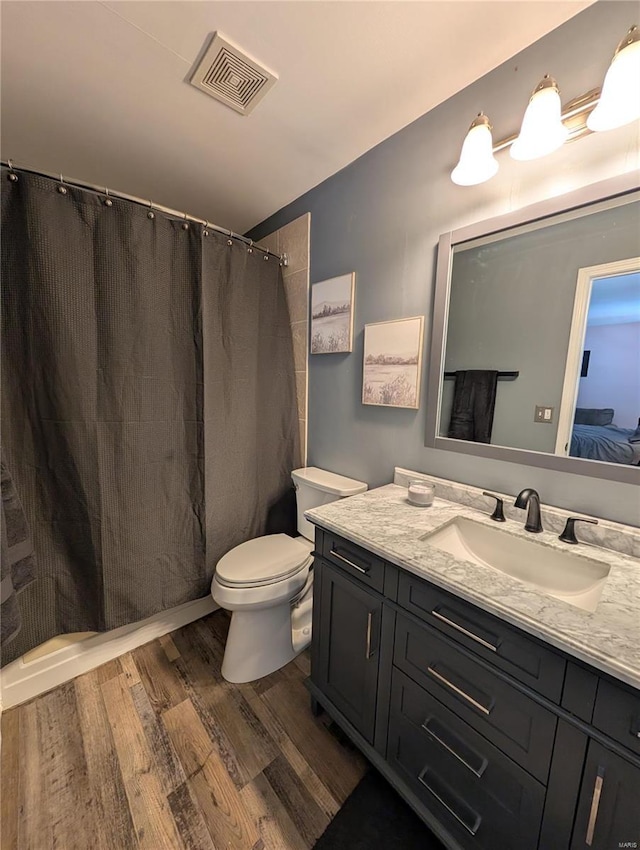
<point>316,487</point>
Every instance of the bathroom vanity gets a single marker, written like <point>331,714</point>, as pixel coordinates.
<point>506,717</point>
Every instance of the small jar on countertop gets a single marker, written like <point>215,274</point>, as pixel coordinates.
<point>421,492</point>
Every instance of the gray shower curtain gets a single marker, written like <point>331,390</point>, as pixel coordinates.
<point>148,402</point>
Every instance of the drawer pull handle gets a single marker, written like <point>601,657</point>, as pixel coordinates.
<point>369,621</point>
<point>464,631</point>
<point>347,561</point>
<point>439,797</point>
<point>595,805</point>
<point>459,691</point>
<point>449,749</point>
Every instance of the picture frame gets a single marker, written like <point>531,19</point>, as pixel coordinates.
<point>392,363</point>
<point>332,303</point>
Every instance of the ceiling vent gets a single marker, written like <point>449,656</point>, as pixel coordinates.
<point>231,76</point>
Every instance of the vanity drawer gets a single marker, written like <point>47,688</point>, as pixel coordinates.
<point>515,723</point>
<point>617,714</point>
<point>483,798</point>
<point>501,645</point>
<point>353,560</point>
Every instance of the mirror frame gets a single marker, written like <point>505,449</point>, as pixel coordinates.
<point>596,192</point>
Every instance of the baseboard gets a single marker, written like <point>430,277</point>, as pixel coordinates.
<point>20,681</point>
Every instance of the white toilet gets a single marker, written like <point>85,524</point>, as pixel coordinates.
<point>268,585</point>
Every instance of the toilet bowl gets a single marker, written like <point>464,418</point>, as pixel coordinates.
<point>258,582</point>
<point>267,584</point>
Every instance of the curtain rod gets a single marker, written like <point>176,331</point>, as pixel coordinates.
<point>103,190</point>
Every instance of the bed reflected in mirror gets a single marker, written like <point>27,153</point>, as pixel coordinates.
<point>605,398</point>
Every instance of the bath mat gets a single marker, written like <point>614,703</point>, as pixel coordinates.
<point>373,817</point>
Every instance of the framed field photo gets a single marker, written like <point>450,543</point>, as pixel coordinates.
<point>332,315</point>
<point>393,363</point>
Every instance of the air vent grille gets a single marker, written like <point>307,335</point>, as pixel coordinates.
<point>231,76</point>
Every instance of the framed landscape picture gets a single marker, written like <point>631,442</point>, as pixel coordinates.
<point>332,315</point>
<point>393,363</point>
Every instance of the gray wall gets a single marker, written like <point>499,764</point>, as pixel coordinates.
<point>511,308</point>
<point>381,217</point>
<point>613,379</point>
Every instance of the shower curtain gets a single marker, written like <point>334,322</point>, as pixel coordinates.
<point>148,402</point>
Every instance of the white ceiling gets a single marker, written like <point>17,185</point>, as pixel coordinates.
<point>97,91</point>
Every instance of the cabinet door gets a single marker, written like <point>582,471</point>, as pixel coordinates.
<point>609,804</point>
<point>347,648</point>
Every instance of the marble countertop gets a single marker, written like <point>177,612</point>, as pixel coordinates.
<point>384,522</point>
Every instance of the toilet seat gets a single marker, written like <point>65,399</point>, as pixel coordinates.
<point>264,561</point>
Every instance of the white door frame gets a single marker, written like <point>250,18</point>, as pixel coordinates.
<point>586,276</point>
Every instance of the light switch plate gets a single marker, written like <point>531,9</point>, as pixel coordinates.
<point>543,414</point>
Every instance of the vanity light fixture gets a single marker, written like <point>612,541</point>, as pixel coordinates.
<point>477,162</point>
<point>546,126</point>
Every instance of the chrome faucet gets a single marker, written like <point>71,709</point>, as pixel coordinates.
<point>529,498</point>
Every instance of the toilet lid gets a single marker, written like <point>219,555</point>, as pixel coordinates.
<point>264,559</point>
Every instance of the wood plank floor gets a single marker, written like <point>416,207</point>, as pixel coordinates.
<point>155,750</point>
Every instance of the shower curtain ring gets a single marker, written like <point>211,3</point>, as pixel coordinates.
<point>107,201</point>
<point>230,240</point>
<point>250,248</point>
<point>12,175</point>
<point>151,213</point>
<point>205,232</point>
<point>62,188</point>
<point>185,224</point>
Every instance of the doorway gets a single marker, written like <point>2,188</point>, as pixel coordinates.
<point>600,403</point>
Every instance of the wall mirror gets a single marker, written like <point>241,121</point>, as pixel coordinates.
<point>535,351</point>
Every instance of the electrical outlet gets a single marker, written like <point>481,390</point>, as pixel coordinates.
<point>543,414</point>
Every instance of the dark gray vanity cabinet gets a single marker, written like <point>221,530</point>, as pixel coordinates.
<point>497,740</point>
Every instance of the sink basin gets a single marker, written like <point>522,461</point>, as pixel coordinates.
<point>563,575</point>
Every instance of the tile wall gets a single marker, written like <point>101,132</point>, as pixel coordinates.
<point>293,239</point>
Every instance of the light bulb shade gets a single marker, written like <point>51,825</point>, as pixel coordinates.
<point>619,102</point>
<point>477,162</point>
<point>542,130</point>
